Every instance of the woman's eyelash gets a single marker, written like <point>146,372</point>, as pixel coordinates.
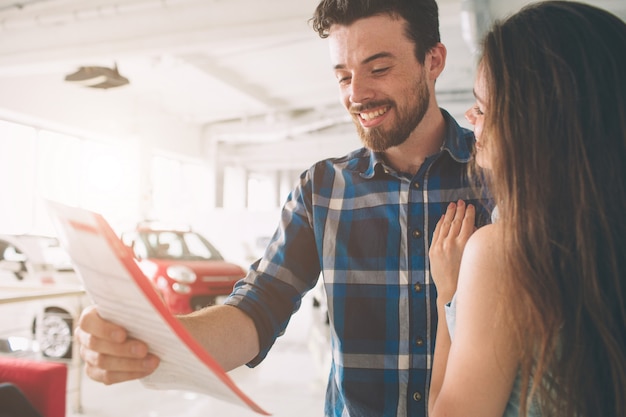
<point>478,111</point>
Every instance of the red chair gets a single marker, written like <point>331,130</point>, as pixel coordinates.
<point>44,384</point>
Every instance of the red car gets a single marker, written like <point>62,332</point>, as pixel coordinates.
<point>185,268</point>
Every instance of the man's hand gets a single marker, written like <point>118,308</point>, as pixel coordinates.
<point>110,355</point>
<point>449,239</point>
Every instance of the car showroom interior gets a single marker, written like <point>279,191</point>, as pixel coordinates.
<point>184,125</point>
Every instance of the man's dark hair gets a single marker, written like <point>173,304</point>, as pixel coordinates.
<point>422,17</point>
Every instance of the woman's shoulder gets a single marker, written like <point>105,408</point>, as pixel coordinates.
<point>486,239</point>
<point>483,256</point>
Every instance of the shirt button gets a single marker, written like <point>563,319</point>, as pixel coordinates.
<point>419,342</point>
<point>417,287</point>
<point>416,185</point>
<point>416,233</point>
<point>417,396</point>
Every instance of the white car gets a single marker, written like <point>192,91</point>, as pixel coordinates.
<point>40,294</point>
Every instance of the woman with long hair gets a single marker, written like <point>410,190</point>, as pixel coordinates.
<point>537,322</point>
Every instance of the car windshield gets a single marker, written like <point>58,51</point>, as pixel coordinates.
<point>187,246</point>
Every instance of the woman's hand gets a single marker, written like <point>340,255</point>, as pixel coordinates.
<point>449,239</point>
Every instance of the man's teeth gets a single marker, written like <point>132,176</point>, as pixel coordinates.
<point>373,114</point>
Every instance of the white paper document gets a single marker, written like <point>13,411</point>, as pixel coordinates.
<point>123,295</point>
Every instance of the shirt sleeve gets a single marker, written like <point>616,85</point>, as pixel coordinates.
<point>275,284</point>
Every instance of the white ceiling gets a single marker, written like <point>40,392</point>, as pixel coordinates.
<point>242,71</point>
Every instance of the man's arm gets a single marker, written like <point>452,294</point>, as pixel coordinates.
<point>110,356</point>
<point>226,332</point>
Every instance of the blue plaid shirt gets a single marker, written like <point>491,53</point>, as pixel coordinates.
<point>367,229</point>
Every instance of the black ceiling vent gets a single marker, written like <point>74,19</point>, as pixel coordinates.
<point>97,77</point>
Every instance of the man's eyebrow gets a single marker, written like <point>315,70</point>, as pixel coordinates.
<point>379,55</point>
<point>369,59</point>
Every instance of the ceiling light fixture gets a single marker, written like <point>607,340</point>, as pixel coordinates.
<point>97,77</point>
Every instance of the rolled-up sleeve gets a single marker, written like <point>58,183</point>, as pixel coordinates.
<point>273,288</point>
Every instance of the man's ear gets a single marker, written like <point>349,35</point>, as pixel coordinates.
<point>435,60</point>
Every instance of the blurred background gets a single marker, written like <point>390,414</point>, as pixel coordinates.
<point>194,113</point>
<point>201,112</point>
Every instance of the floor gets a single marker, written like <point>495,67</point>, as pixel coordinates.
<point>290,382</point>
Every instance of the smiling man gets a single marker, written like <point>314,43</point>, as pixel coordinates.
<point>387,89</point>
<point>364,221</point>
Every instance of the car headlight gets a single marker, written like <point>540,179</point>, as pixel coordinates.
<point>181,274</point>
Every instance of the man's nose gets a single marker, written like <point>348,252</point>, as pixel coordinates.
<point>360,90</point>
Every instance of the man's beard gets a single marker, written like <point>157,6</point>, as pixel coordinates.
<point>378,139</point>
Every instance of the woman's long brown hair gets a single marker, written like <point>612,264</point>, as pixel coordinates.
<point>556,127</point>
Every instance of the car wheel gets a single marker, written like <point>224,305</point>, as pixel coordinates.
<point>55,335</point>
